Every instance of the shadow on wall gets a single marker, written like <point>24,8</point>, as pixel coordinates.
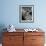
<point>2,26</point>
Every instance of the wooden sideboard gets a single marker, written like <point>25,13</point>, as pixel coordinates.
<point>23,38</point>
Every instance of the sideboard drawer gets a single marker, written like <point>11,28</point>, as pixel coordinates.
<point>37,39</point>
<point>13,33</point>
<point>34,33</point>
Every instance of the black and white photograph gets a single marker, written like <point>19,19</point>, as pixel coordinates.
<point>26,13</point>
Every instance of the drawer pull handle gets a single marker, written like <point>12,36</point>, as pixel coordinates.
<point>10,38</point>
<point>33,39</point>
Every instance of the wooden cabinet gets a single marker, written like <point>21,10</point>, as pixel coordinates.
<point>12,39</point>
<point>34,39</point>
<point>23,39</point>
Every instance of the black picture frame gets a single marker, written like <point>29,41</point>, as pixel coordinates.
<point>26,13</point>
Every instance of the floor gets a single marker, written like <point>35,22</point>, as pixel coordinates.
<point>0,44</point>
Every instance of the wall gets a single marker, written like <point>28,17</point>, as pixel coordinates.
<point>10,13</point>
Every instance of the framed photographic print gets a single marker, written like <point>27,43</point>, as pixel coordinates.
<point>26,13</point>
